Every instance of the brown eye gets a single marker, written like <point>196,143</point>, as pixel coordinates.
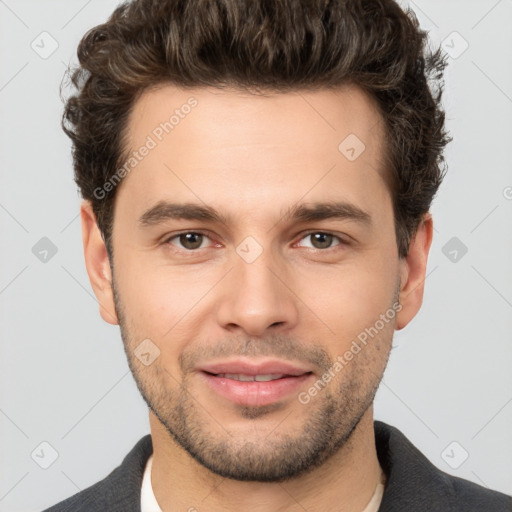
<point>321,240</point>
<point>189,241</point>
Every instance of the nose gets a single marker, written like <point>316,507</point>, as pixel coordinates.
<point>257,297</point>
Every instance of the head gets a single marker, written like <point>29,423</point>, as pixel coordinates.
<point>257,178</point>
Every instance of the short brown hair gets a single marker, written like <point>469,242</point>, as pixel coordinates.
<point>262,45</point>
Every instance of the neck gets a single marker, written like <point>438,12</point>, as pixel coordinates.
<point>345,483</point>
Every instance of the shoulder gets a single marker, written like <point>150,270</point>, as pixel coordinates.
<point>117,492</point>
<point>470,496</point>
<point>415,484</point>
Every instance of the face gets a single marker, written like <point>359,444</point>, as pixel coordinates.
<point>254,250</point>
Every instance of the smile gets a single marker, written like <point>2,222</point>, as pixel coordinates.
<point>251,378</point>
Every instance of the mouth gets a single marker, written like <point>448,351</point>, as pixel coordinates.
<point>253,378</point>
<point>245,382</point>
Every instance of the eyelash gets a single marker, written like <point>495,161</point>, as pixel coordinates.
<point>341,241</point>
<point>167,241</point>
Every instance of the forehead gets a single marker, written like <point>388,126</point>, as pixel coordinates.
<point>230,145</point>
<point>233,115</point>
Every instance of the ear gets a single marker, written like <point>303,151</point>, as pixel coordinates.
<point>413,271</point>
<point>97,263</point>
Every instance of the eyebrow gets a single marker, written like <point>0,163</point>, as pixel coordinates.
<point>327,210</point>
<point>164,210</point>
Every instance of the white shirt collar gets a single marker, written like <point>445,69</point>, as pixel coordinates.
<point>148,501</point>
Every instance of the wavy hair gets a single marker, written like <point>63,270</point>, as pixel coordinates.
<point>262,45</point>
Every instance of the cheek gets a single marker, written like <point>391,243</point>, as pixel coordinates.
<point>348,299</point>
<point>161,302</point>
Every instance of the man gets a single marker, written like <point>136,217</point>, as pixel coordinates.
<point>257,177</point>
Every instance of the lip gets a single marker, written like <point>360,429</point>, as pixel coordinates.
<point>255,393</point>
<point>251,367</point>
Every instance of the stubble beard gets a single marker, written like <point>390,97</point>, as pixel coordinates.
<point>330,420</point>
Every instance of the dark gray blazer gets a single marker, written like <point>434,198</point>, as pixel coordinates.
<point>413,483</point>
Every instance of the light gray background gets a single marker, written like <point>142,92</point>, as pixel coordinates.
<point>64,379</point>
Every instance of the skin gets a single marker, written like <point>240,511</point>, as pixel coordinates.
<point>252,158</point>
